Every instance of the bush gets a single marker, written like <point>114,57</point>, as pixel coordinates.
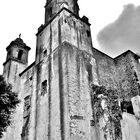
<point>8,103</point>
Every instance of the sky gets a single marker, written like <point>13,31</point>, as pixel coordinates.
<point>115,24</point>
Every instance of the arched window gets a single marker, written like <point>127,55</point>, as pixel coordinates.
<point>9,54</point>
<point>45,53</point>
<point>20,53</point>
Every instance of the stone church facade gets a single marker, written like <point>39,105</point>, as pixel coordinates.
<point>55,89</point>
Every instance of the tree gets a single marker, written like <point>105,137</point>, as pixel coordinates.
<point>8,102</point>
<point>112,109</point>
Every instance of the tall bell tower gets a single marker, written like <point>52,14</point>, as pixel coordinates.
<point>65,69</point>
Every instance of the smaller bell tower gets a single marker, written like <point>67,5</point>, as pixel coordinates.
<point>16,61</point>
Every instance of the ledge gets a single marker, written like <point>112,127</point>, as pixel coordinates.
<point>76,16</point>
<point>14,59</point>
<point>27,69</point>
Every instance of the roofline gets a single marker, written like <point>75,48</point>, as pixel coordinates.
<point>124,53</point>
<point>27,69</point>
<point>103,53</point>
<point>12,43</point>
<point>44,26</point>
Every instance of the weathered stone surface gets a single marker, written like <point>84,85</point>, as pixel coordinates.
<point>127,68</point>
<point>130,127</point>
<point>15,63</point>
<point>136,106</point>
<point>55,90</point>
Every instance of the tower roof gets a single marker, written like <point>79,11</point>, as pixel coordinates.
<point>18,42</point>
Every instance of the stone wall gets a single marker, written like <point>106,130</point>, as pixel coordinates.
<point>76,77</point>
<point>127,75</point>
<point>11,75</point>
<point>130,127</point>
<point>27,100</point>
<point>106,69</point>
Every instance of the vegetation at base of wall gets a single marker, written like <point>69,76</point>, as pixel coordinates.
<point>8,102</point>
<point>112,109</point>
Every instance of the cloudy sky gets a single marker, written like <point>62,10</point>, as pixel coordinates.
<point>115,24</point>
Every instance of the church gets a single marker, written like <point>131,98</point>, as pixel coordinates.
<point>55,90</point>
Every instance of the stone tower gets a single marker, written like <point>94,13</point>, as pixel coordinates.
<point>16,62</point>
<point>65,69</point>
<point>52,7</point>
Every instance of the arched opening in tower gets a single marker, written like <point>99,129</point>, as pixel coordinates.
<point>20,53</point>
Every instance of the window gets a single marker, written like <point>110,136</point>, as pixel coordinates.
<point>126,106</point>
<point>20,53</point>
<point>9,54</point>
<point>30,81</point>
<point>89,70</point>
<point>27,104</point>
<point>50,11</point>
<point>44,87</point>
<point>31,78</point>
<point>26,117</point>
<point>92,123</point>
<point>88,33</point>
<point>45,53</point>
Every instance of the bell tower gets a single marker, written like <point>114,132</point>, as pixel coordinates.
<point>65,68</point>
<point>52,7</point>
<point>16,61</point>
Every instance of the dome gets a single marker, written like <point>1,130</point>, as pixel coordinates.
<point>18,42</point>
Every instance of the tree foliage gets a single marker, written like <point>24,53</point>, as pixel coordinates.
<point>8,102</point>
<point>113,109</point>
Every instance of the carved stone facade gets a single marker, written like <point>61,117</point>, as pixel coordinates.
<point>55,89</point>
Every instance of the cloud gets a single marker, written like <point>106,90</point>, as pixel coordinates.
<point>123,34</point>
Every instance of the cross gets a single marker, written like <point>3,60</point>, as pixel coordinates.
<point>19,35</point>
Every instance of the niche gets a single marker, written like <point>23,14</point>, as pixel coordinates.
<point>44,87</point>
<point>45,53</point>
<point>89,70</point>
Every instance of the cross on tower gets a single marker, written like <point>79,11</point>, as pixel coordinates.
<point>19,35</point>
